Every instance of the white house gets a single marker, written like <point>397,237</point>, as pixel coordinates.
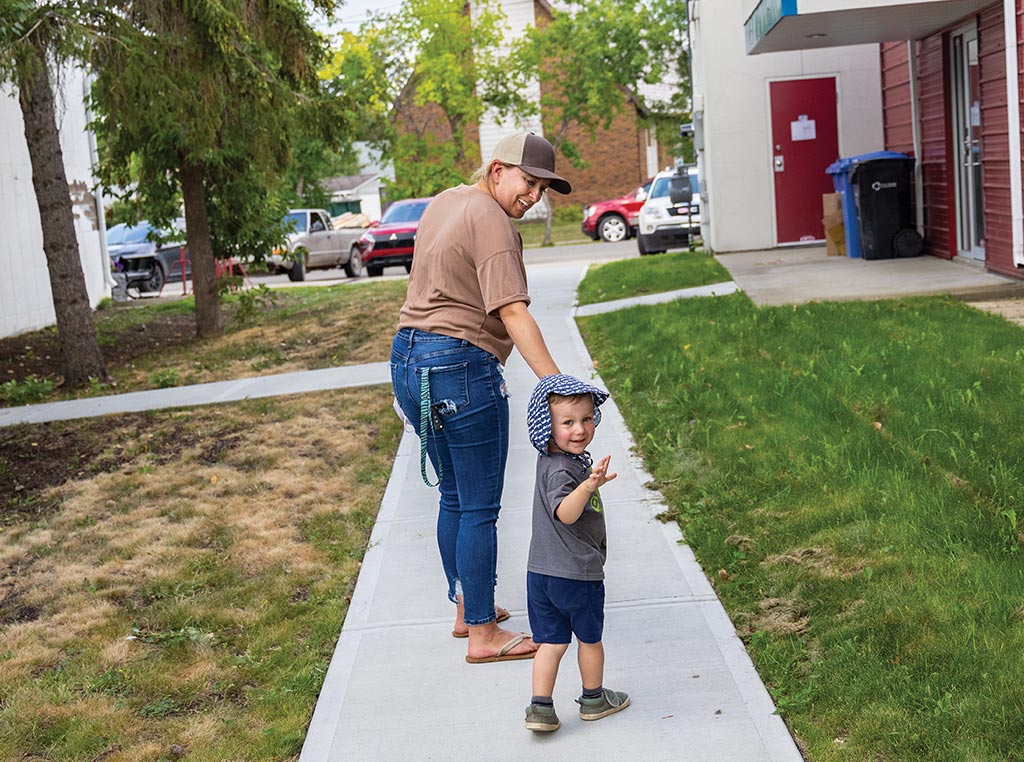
<point>25,297</point>
<point>767,126</point>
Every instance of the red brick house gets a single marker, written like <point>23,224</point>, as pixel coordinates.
<point>951,97</point>
<point>620,158</point>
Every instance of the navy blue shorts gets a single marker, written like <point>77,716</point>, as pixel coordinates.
<point>560,607</point>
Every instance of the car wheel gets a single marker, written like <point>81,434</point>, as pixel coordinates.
<point>641,246</point>
<point>297,271</point>
<point>374,271</point>
<point>156,280</point>
<point>354,266</point>
<point>613,229</point>
<point>408,267</point>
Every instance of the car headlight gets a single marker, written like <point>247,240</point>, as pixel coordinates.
<point>587,211</point>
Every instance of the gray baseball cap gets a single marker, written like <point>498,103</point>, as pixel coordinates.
<point>532,154</point>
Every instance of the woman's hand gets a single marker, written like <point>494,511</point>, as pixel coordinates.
<point>527,337</point>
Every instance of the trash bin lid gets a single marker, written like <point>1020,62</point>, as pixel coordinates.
<point>847,163</point>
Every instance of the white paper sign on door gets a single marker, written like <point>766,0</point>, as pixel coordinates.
<point>802,129</point>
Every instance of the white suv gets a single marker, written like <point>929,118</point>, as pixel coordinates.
<point>663,225</point>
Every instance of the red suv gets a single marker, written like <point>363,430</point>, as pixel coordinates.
<point>615,220</point>
<point>389,242</point>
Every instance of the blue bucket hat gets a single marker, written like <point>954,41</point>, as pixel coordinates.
<point>538,414</point>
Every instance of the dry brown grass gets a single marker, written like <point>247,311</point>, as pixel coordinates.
<point>153,344</point>
<point>184,583</point>
<point>342,326</point>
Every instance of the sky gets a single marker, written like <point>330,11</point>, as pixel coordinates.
<point>354,12</point>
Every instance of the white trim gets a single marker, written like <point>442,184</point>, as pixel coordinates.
<point>915,123</point>
<point>1013,123</point>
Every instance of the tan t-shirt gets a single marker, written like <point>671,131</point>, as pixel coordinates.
<point>467,263</point>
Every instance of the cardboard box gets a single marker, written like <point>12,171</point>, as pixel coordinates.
<point>832,221</point>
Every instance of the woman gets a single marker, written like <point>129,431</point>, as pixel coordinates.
<point>465,310</point>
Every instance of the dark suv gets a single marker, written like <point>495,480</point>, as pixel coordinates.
<point>146,264</point>
<point>615,219</point>
<point>389,242</point>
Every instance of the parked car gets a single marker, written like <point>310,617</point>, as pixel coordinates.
<point>146,263</point>
<point>315,244</point>
<point>389,243</point>
<point>615,219</point>
<point>666,225</point>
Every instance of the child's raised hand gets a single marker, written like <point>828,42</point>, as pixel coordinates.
<point>599,476</point>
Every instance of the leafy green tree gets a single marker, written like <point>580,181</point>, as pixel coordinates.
<point>202,106</point>
<point>674,20</point>
<point>590,60</point>
<point>314,160</point>
<point>35,40</point>
<point>423,76</point>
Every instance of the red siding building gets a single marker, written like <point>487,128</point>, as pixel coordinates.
<point>951,97</point>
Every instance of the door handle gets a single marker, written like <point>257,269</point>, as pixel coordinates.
<point>779,163</point>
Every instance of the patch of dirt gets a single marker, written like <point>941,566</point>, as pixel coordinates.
<point>13,609</point>
<point>780,616</point>
<point>36,458</point>
<point>38,353</point>
<point>152,347</point>
<point>820,560</point>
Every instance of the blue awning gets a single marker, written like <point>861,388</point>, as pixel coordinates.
<point>765,17</point>
<point>777,25</point>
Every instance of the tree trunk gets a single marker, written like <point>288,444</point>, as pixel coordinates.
<point>549,212</point>
<point>80,354</point>
<point>209,321</point>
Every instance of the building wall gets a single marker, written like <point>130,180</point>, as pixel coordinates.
<point>936,151</point>
<point>519,15</point>
<point>937,134</point>
<point>616,162</point>
<point>995,145</point>
<point>896,95</point>
<point>899,136</point>
<point>731,88</point>
<point>25,298</point>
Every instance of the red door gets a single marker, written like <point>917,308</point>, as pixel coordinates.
<point>805,140</point>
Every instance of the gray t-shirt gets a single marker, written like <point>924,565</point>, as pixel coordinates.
<point>572,551</point>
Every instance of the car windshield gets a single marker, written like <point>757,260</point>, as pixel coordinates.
<point>123,233</point>
<point>404,211</point>
<point>660,188</point>
<point>295,221</point>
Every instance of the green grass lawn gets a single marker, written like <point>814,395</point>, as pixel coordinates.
<point>656,274</point>
<point>851,477</point>
<point>561,232</point>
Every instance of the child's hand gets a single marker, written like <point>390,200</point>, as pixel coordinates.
<point>600,476</point>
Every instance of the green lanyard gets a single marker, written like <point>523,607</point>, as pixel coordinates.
<point>425,420</point>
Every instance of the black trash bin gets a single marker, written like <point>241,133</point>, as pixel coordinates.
<point>885,208</point>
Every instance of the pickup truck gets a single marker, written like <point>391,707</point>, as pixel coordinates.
<point>315,243</point>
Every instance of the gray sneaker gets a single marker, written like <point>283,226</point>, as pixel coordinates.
<point>608,703</point>
<point>542,718</point>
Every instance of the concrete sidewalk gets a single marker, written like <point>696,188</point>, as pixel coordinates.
<point>398,686</point>
<point>795,275</point>
<point>201,394</point>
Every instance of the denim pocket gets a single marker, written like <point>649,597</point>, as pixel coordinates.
<point>449,387</point>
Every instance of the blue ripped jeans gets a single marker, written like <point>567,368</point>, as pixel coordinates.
<point>469,451</point>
